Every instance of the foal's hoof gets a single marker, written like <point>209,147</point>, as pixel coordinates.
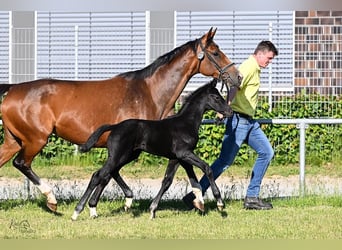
<point>74,216</point>
<point>220,206</point>
<point>128,204</point>
<point>152,215</point>
<point>52,206</point>
<point>199,205</point>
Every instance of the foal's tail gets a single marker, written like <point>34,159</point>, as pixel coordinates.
<point>4,88</point>
<point>94,137</point>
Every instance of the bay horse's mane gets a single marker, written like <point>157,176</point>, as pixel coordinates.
<point>163,59</point>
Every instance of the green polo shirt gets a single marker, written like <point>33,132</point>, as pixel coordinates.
<point>246,98</point>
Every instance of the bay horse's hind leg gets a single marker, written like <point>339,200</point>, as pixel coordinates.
<point>26,169</point>
<point>166,183</point>
<point>9,148</point>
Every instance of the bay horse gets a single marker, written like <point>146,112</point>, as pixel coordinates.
<point>32,111</point>
<point>174,137</point>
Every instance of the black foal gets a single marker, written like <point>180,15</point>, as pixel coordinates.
<point>174,138</point>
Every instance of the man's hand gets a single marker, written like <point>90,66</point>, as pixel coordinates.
<point>219,118</point>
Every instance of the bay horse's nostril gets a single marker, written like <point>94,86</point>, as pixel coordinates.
<point>240,77</point>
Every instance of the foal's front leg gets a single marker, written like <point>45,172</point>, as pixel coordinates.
<point>193,159</point>
<point>198,202</point>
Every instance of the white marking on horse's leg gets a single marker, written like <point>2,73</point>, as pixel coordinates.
<point>92,212</point>
<point>198,202</point>
<point>75,215</point>
<point>50,197</point>
<point>128,203</point>
<point>198,194</point>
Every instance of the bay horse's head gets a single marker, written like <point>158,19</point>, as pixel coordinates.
<point>213,62</point>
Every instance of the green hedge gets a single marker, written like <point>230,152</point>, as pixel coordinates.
<point>323,142</point>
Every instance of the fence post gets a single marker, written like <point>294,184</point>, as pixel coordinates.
<point>270,30</point>
<point>302,126</point>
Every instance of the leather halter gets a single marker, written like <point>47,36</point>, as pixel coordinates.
<point>221,70</point>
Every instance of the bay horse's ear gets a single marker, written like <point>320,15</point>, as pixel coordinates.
<point>212,33</point>
<point>209,35</point>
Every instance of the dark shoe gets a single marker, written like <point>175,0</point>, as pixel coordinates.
<point>188,200</point>
<point>256,203</point>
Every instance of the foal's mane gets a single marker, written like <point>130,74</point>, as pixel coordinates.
<point>196,93</point>
<point>164,59</point>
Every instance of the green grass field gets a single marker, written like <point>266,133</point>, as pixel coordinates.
<point>309,217</point>
<point>312,217</point>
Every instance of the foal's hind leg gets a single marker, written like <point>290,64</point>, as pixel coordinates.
<point>97,178</point>
<point>94,199</point>
<point>166,183</point>
<point>126,189</point>
<point>117,177</point>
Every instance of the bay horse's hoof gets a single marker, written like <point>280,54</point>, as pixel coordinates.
<point>199,205</point>
<point>52,206</point>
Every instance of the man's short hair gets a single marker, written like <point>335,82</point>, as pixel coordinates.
<point>266,45</point>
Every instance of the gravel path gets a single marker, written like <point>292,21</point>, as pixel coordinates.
<point>147,188</point>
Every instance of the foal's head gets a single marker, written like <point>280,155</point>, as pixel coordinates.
<point>215,100</point>
<point>207,98</point>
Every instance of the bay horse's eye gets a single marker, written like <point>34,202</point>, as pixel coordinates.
<point>215,53</point>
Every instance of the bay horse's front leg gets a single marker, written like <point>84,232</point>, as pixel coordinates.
<point>193,159</point>
<point>51,201</point>
<point>166,183</point>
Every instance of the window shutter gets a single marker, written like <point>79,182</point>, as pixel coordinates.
<point>238,33</point>
<point>90,45</point>
<point>4,46</point>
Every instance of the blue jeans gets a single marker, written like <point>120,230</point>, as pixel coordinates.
<point>238,130</point>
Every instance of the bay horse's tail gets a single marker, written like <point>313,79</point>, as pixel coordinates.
<point>4,88</point>
<point>94,137</point>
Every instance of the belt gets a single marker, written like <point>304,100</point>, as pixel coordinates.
<point>243,115</point>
